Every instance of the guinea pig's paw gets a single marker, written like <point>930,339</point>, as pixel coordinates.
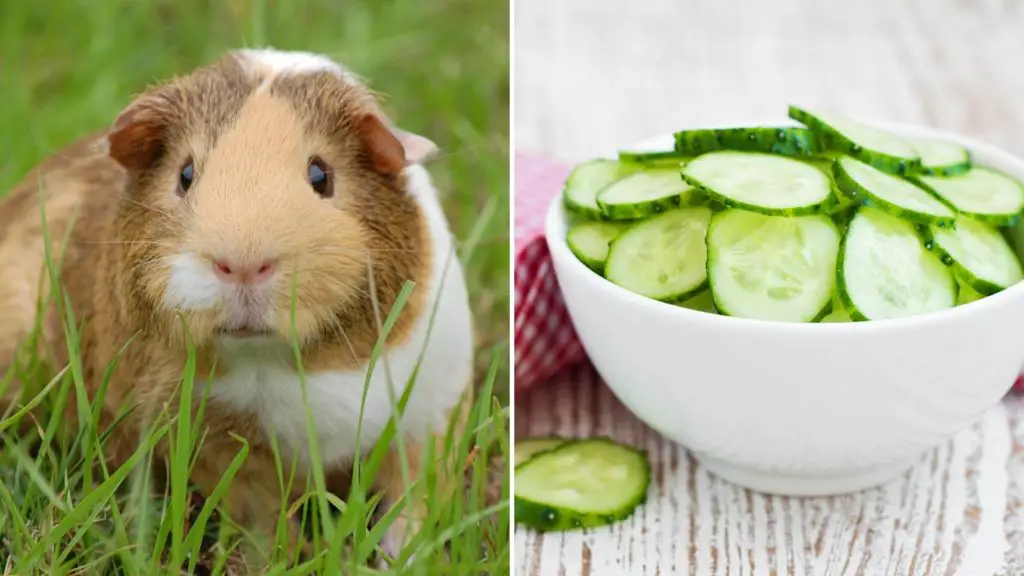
<point>393,543</point>
<point>299,546</point>
<point>385,565</point>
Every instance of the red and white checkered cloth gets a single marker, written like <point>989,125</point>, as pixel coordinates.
<point>545,341</point>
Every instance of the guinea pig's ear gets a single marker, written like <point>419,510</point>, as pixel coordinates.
<point>137,136</point>
<point>391,149</point>
<point>417,148</point>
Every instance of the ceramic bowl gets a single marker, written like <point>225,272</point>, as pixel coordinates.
<point>799,409</point>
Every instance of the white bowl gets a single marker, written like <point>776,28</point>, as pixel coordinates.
<point>799,409</point>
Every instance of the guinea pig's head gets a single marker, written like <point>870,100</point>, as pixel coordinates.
<point>266,194</point>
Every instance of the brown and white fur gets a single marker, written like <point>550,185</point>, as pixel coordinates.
<point>216,264</point>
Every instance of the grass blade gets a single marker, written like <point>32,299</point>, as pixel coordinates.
<point>94,499</point>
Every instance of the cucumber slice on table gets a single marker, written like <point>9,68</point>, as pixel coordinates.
<point>663,257</point>
<point>787,141</point>
<point>890,194</point>
<point>765,183</point>
<point>529,447</point>
<point>772,267</point>
<point>879,148</point>
<point>981,193</point>
<point>643,193</point>
<point>940,157</point>
<point>581,484</point>
<point>885,271</point>
<point>981,257</point>
<point>589,178</point>
<point>590,240</point>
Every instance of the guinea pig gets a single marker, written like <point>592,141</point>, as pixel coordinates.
<point>255,206</point>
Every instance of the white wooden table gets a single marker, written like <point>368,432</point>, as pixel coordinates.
<point>594,74</point>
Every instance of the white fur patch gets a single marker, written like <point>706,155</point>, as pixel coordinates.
<point>259,380</point>
<point>294,62</point>
<point>192,284</point>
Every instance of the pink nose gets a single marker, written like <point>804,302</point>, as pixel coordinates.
<point>237,272</point>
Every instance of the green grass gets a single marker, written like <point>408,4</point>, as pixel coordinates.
<point>66,68</point>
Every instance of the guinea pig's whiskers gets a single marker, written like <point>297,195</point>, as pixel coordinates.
<point>170,217</point>
<point>130,243</point>
<point>315,276</point>
<point>350,286</point>
<point>147,265</point>
<point>362,251</point>
<point>337,326</point>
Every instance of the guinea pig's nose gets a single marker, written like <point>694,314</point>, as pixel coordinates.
<point>236,272</point>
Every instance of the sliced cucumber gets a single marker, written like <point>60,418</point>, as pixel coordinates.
<point>529,447</point>
<point>940,157</point>
<point>879,148</point>
<point>644,193</point>
<point>885,271</point>
<point>889,193</point>
<point>788,141</point>
<point>839,205</point>
<point>581,484</point>
<point>981,193</point>
<point>663,257</point>
<point>656,159</point>
<point>589,241</point>
<point>772,267</point>
<point>836,314</point>
<point>981,257</point>
<point>967,295</point>
<point>703,302</point>
<point>658,152</point>
<point>764,183</point>
<point>589,178</point>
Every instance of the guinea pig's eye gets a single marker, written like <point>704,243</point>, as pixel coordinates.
<point>320,177</point>
<point>185,178</point>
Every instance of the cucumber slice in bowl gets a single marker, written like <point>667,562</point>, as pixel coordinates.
<point>765,183</point>
<point>941,158</point>
<point>701,302</point>
<point>981,257</point>
<point>787,141</point>
<point>653,159</point>
<point>889,193</point>
<point>885,271</point>
<point>879,148</point>
<point>836,315</point>
<point>664,257</point>
<point>581,484</point>
<point>981,193</point>
<point>587,179</point>
<point>529,447</point>
<point>657,152</point>
<point>644,193</point>
<point>967,295</point>
<point>590,240</point>
<point>772,267</point>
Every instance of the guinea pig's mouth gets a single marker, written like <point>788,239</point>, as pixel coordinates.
<point>243,332</point>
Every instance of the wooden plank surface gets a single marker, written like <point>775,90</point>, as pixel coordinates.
<point>591,75</point>
<point>959,511</point>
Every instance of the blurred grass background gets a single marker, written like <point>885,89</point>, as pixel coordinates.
<point>69,66</point>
